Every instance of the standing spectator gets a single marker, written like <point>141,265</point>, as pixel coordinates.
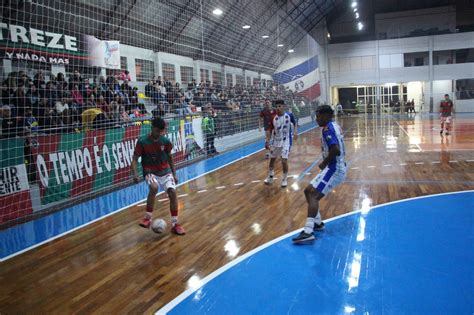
<point>11,127</point>
<point>125,76</point>
<point>209,131</point>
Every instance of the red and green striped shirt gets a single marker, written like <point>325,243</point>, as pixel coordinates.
<point>155,155</point>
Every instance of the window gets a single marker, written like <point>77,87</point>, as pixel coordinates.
<point>123,63</point>
<point>464,55</point>
<point>204,75</point>
<point>465,89</point>
<point>416,59</point>
<point>443,57</point>
<point>216,78</point>
<point>145,70</point>
<point>228,79</point>
<point>187,75</point>
<point>168,72</point>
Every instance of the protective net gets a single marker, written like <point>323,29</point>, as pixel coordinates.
<point>82,79</point>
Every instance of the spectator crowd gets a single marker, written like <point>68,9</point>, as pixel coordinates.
<point>62,105</point>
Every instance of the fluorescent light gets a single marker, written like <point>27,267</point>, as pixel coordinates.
<point>354,4</point>
<point>329,35</point>
<point>355,9</point>
<point>265,36</point>
<point>246,27</point>
<point>360,26</point>
<point>357,15</point>
<point>291,50</point>
<point>217,11</point>
<point>280,45</point>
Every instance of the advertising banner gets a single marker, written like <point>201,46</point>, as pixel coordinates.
<point>15,199</point>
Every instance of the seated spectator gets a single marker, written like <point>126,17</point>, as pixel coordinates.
<point>20,101</point>
<point>77,99</point>
<point>125,76</point>
<point>150,89</point>
<point>5,95</point>
<point>30,121</point>
<point>11,127</point>
<point>104,106</point>
<point>33,95</point>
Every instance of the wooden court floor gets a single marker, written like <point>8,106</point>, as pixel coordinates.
<point>114,266</point>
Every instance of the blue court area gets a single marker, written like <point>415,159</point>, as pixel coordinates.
<point>409,257</point>
<point>22,237</point>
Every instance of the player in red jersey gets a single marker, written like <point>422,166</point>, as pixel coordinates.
<point>445,110</point>
<point>266,116</point>
<point>158,170</point>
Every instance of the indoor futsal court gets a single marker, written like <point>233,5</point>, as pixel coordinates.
<point>143,151</point>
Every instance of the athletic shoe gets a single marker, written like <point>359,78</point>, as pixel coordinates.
<point>441,132</point>
<point>178,229</point>
<point>318,227</point>
<point>284,182</point>
<point>447,133</point>
<point>146,222</point>
<point>267,156</point>
<point>268,180</point>
<point>303,238</point>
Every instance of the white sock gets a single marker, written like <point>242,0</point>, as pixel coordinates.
<point>174,220</point>
<point>271,173</point>
<point>285,175</point>
<point>317,219</point>
<point>148,215</point>
<point>308,227</point>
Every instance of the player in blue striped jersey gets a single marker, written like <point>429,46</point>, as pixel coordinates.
<point>333,172</point>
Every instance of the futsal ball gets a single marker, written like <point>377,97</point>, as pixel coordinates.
<point>158,226</point>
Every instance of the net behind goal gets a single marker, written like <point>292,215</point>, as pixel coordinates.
<point>81,81</point>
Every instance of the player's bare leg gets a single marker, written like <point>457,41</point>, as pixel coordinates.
<point>176,227</point>
<point>271,172</point>
<point>150,203</point>
<point>313,221</point>
<point>284,180</point>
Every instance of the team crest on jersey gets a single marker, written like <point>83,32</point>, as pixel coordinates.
<point>328,137</point>
<point>162,147</point>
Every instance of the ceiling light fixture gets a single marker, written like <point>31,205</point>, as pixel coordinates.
<point>291,50</point>
<point>357,15</point>
<point>265,36</point>
<point>246,27</point>
<point>354,4</point>
<point>355,9</point>
<point>360,26</point>
<point>217,11</point>
<point>280,45</point>
<point>329,35</point>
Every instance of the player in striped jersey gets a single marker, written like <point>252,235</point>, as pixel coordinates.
<point>283,131</point>
<point>333,172</point>
<point>158,169</point>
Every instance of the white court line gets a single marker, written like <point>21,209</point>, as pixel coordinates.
<point>355,168</point>
<point>220,187</point>
<point>258,180</point>
<point>308,173</point>
<point>403,164</point>
<point>238,184</point>
<point>403,129</point>
<point>201,191</point>
<point>469,160</point>
<point>453,161</point>
<point>387,165</point>
<point>435,162</point>
<point>133,204</point>
<point>141,205</point>
<point>164,199</point>
<point>183,195</point>
<point>168,307</point>
<point>371,166</point>
<point>420,163</point>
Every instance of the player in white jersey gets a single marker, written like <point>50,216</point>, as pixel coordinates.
<point>333,172</point>
<point>279,142</point>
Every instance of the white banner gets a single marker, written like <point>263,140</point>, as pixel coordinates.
<point>103,53</point>
<point>13,179</point>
